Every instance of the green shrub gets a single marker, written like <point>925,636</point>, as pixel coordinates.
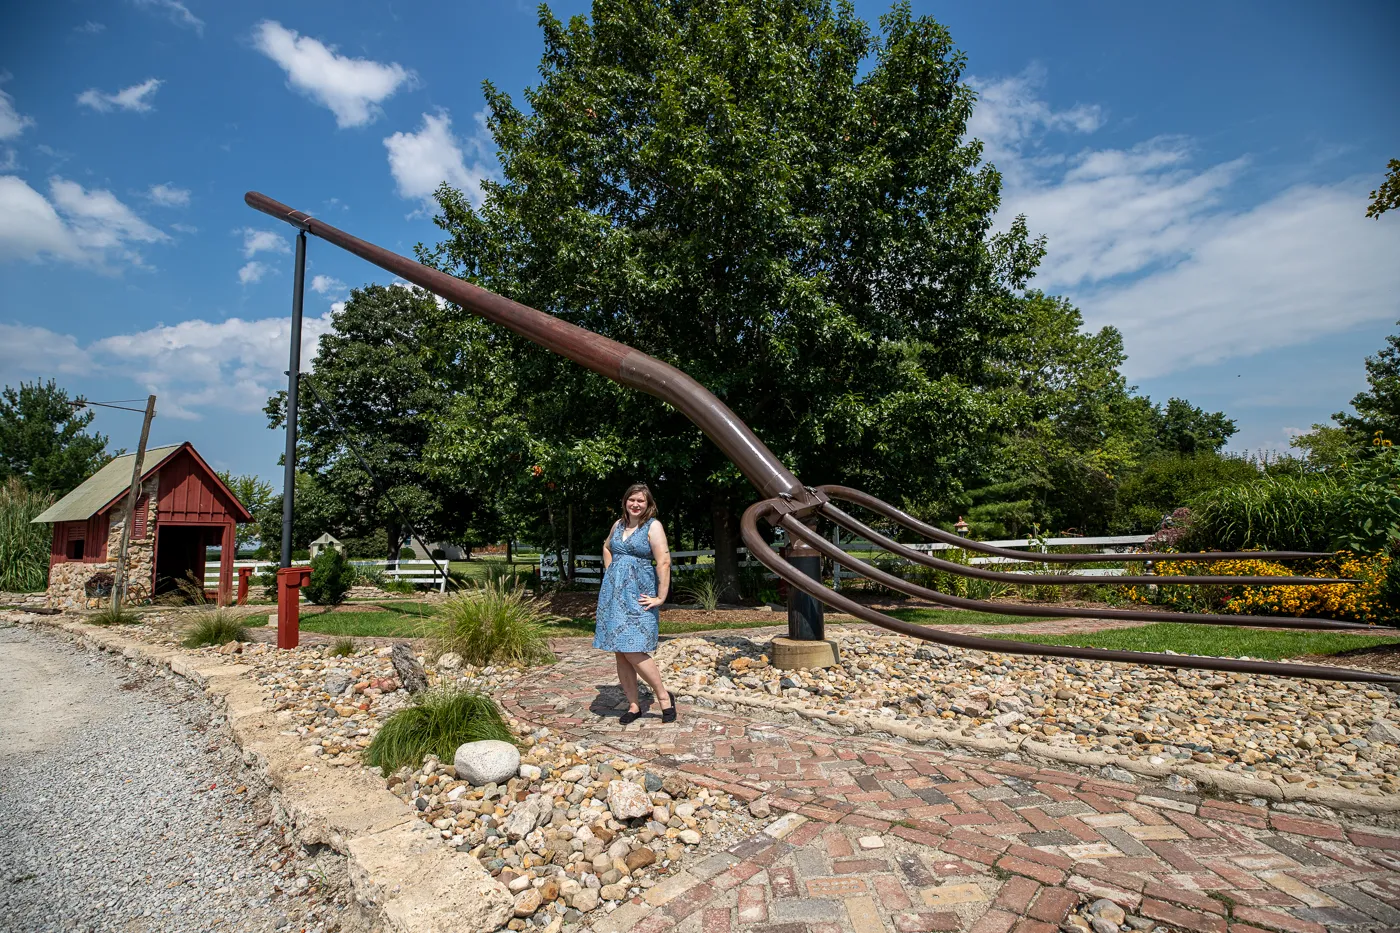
<point>268,581</point>
<point>439,553</point>
<point>216,628</point>
<point>1168,481</point>
<point>109,616</point>
<point>1279,513</point>
<point>436,724</point>
<point>368,575</point>
<point>407,553</point>
<point>395,585</point>
<point>300,556</point>
<point>331,578</point>
<point>24,547</point>
<point>343,648</point>
<point>188,591</point>
<point>493,624</point>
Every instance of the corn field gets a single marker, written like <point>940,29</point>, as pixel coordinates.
<point>24,548</point>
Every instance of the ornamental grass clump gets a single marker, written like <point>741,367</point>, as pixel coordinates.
<point>119,616</point>
<point>24,546</point>
<point>493,624</point>
<point>215,628</point>
<point>436,724</point>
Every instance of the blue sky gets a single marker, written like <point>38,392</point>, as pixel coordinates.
<point>1200,170</point>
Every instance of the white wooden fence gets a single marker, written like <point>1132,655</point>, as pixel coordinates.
<point>421,572</point>
<point>588,568</point>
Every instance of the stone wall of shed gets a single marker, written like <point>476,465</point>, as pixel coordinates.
<point>68,579</point>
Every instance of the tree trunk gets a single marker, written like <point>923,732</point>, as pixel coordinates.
<point>725,527</point>
<point>570,548</point>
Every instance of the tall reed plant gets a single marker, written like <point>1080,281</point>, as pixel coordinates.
<point>1284,513</point>
<point>24,547</point>
<point>494,623</point>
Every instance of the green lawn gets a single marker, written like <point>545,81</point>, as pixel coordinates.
<point>1217,640</point>
<point>958,617</point>
<point>396,620</point>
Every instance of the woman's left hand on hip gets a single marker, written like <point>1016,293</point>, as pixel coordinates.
<point>648,602</point>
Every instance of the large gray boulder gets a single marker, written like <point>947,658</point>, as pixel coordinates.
<point>406,665</point>
<point>487,762</point>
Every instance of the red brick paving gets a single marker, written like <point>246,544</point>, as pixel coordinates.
<point>972,845</point>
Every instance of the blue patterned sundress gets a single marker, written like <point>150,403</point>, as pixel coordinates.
<point>623,625</point>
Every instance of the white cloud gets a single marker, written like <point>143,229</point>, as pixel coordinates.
<point>352,88</point>
<point>137,97</point>
<point>1147,239</point>
<point>176,11</point>
<point>194,366</point>
<point>184,228</point>
<point>1303,264</point>
<point>11,161</point>
<point>423,160</point>
<point>325,285</point>
<point>90,27</point>
<point>25,349</point>
<point>12,122</point>
<point>262,241</point>
<point>1009,113</point>
<point>252,272</point>
<point>169,196</point>
<point>76,224</point>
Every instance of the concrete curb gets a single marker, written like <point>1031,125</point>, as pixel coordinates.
<point>1225,782</point>
<point>403,876</point>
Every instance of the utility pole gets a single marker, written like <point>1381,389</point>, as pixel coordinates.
<point>119,584</point>
<point>289,469</point>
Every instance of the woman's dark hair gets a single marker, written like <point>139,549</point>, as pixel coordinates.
<point>651,502</point>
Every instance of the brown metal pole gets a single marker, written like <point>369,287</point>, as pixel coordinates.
<point>119,582</point>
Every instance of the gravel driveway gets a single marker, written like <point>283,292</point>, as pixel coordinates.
<point>124,805</point>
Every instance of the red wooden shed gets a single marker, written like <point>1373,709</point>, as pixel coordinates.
<point>183,508</point>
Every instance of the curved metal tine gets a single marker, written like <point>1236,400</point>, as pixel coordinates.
<point>800,531</point>
<point>855,526</point>
<point>748,530</point>
<point>938,534</point>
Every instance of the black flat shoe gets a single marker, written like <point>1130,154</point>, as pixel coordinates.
<point>629,717</point>
<point>669,713</point>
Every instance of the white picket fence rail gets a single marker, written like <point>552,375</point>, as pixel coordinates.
<point>416,571</point>
<point>588,568</point>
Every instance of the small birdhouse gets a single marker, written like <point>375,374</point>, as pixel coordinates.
<point>325,541</point>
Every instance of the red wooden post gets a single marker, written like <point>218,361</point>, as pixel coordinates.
<point>290,580</point>
<point>229,544</point>
<point>245,580</point>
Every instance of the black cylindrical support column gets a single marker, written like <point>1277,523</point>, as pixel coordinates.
<point>806,621</point>
<point>289,471</point>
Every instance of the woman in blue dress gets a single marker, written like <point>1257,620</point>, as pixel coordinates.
<point>628,617</point>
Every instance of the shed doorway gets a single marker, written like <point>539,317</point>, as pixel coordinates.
<point>179,553</point>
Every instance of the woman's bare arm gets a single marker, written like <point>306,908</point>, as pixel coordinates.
<point>607,548</point>
<point>661,553</point>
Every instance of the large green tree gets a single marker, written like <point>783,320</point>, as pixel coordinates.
<point>777,200</point>
<point>1377,408</point>
<point>43,438</point>
<point>382,379</point>
<point>257,496</point>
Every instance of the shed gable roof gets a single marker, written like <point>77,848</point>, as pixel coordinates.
<point>109,484</point>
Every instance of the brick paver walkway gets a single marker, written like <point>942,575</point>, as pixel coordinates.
<point>883,837</point>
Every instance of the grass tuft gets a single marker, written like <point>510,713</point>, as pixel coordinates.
<point>110,616</point>
<point>343,648</point>
<point>493,624</point>
<point>437,723</point>
<point>216,628</point>
<point>700,587</point>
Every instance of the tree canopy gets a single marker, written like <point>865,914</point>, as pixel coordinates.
<point>1377,408</point>
<point>779,201</point>
<point>44,441</point>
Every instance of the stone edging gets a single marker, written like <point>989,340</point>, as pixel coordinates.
<point>401,874</point>
<point>1225,782</point>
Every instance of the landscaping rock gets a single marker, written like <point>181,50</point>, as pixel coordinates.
<point>406,665</point>
<point>627,801</point>
<point>490,761</point>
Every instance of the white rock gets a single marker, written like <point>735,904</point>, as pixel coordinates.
<point>871,842</point>
<point>627,801</point>
<point>584,900</point>
<point>519,884</point>
<point>574,774</point>
<point>690,837</point>
<point>450,661</point>
<point>1383,733</point>
<point>487,762</point>
<point>530,772</point>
